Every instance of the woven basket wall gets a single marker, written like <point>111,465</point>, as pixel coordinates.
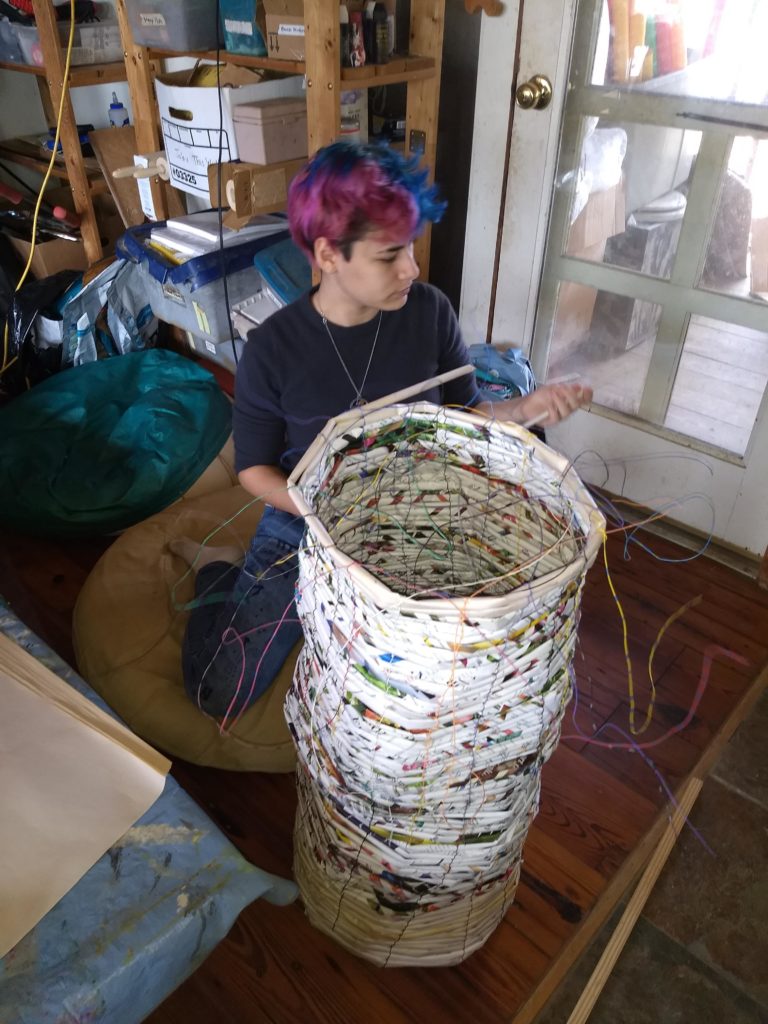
<point>439,589</point>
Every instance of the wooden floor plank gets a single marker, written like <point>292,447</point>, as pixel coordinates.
<point>600,810</point>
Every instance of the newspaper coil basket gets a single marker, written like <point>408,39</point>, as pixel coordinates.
<point>439,586</point>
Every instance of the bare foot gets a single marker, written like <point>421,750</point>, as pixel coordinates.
<point>197,555</point>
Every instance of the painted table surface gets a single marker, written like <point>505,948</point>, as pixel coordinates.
<point>142,919</point>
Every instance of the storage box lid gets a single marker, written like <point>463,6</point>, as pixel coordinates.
<point>198,271</point>
<point>261,111</point>
<point>284,269</point>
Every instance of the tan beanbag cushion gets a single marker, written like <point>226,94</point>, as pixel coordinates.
<point>127,634</point>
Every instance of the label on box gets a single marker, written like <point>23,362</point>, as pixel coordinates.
<point>290,30</point>
<point>145,190</point>
<point>240,28</point>
<point>171,292</point>
<point>189,151</point>
<point>211,347</point>
<point>202,321</point>
<point>152,20</point>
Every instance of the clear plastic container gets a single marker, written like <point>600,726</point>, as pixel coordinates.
<point>94,43</point>
<point>241,33</point>
<point>174,25</point>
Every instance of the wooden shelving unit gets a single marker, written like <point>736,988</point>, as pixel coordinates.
<point>83,174</point>
<point>83,74</point>
<point>420,72</point>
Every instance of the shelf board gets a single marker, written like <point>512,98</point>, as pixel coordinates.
<point>399,69</point>
<point>27,154</point>
<point>83,74</point>
<point>289,67</point>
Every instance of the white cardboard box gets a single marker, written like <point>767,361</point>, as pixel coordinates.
<point>190,120</point>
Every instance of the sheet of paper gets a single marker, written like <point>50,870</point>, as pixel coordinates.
<point>72,781</point>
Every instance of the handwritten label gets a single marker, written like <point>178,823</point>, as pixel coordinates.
<point>240,28</point>
<point>290,30</point>
<point>152,20</point>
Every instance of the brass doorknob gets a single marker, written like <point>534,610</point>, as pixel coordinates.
<point>535,94</point>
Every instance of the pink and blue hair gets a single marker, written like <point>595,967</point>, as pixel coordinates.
<point>347,190</point>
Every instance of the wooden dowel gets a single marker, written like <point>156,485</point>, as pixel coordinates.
<point>617,941</point>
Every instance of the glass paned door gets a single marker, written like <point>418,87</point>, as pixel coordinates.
<point>655,276</point>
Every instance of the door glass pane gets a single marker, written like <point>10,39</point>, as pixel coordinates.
<point>630,194</point>
<point>737,256</point>
<point>720,383</point>
<point>710,49</point>
<point>603,339</point>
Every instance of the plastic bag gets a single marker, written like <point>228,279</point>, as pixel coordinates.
<point>501,374</point>
<point>131,324</point>
<point>33,348</point>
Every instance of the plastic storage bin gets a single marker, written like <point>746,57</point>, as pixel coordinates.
<point>191,295</point>
<point>285,274</point>
<point>10,51</point>
<point>269,131</point>
<point>241,33</point>
<point>177,25</point>
<point>95,42</point>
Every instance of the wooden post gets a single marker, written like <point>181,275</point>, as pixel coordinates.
<point>140,72</point>
<point>323,69</point>
<point>54,59</point>
<point>426,40</point>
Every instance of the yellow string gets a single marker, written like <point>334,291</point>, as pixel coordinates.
<point>625,640</point>
<point>60,116</point>
<point>635,730</point>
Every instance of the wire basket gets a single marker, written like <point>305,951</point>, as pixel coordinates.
<point>439,586</point>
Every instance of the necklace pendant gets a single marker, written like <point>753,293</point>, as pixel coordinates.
<point>357,402</point>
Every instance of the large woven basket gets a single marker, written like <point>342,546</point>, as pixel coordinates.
<point>439,588</point>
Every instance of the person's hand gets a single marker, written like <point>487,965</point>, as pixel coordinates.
<point>544,407</point>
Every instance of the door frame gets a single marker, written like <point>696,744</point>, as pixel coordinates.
<point>497,154</point>
<point>492,270</point>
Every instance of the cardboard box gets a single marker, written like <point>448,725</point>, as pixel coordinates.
<point>59,254</point>
<point>283,28</point>
<point>51,257</point>
<point>271,131</point>
<point>576,304</point>
<point>190,119</point>
<point>604,215</point>
<point>759,255</point>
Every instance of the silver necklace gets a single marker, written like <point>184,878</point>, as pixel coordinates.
<point>358,399</point>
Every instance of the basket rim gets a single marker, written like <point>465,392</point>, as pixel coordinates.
<point>457,607</point>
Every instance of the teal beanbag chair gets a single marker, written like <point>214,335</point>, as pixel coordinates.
<point>101,446</point>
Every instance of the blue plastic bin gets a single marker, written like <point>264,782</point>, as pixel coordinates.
<point>191,295</point>
<point>241,33</point>
<point>285,270</point>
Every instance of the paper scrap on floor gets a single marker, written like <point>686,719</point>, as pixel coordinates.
<point>73,780</point>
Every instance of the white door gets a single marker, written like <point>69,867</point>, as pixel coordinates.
<point>620,235</point>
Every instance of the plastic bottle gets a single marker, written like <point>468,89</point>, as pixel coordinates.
<point>369,30</point>
<point>356,44</point>
<point>380,35</point>
<point>118,115</point>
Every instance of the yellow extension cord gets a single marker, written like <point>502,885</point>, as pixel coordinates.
<point>65,85</point>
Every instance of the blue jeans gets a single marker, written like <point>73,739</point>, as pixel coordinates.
<point>244,622</point>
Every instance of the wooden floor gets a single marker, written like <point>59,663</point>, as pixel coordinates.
<point>601,809</point>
